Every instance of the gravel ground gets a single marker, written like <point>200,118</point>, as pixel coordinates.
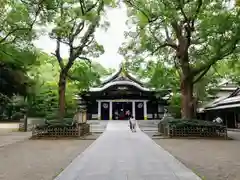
<point>210,159</point>
<point>38,159</point>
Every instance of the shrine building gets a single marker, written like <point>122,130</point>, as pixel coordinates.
<point>122,92</point>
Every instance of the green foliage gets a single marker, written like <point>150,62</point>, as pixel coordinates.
<point>44,100</point>
<point>17,116</point>
<point>33,74</point>
<point>75,23</point>
<point>175,105</point>
<point>17,54</point>
<point>188,125</point>
<point>180,123</point>
<point>13,69</point>
<point>189,36</point>
<point>53,123</point>
<point>18,18</point>
<point>237,3</point>
<point>229,69</point>
<point>164,77</point>
<point>86,75</point>
<point>211,40</point>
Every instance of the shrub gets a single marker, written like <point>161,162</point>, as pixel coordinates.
<point>182,127</point>
<point>179,123</point>
<point>17,116</point>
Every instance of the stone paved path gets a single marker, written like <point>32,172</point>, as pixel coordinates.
<point>8,137</point>
<point>120,154</point>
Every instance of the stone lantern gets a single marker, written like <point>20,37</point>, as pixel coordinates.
<point>82,111</point>
<point>24,121</point>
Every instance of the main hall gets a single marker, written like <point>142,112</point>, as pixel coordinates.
<point>122,93</point>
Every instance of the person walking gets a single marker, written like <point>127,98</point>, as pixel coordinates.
<point>132,124</point>
<point>127,114</point>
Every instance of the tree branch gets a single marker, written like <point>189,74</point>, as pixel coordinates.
<point>10,55</point>
<point>82,5</point>
<point>22,28</point>
<point>176,27</point>
<point>70,37</point>
<point>201,75</point>
<point>161,46</point>
<point>79,29</point>
<point>168,41</point>
<point>90,41</point>
<point>167,33</point>
<point>86,59</point>
<point>181,6</point>
<point>85,38</point>
<point>92,7</point>
<point>150,19</point>
<point>199,5</point>
<point>11,32</point>
<point>57,53</point>
<point>216,58</point>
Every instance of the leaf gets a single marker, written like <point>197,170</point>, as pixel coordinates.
<point>110,2</point>
<point>143,20</point>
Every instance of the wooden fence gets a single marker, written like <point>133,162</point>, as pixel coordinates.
<point>198,131</point>
<point>72,131</point>
<point>192,131</point>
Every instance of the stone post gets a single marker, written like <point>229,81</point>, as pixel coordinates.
<point>82,117</point>
<point>145,110</point>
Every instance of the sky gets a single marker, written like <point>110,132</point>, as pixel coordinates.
<point>110,39</point>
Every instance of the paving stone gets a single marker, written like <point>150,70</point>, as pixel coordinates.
<point>119,154</point>
<point>13,137</point>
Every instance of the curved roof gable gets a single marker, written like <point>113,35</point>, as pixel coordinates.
<point>121,75</point>
<point>112,76</point>
<point>124,82</point>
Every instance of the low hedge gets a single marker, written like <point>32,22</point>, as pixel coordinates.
<point>178,123</point>
<point>186,125</point>
<point>171,127</point>
<point>55,123</point>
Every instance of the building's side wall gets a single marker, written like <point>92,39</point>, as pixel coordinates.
<point>155,110</point>
<point>92,111</point>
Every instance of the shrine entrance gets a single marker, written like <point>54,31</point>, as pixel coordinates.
<point>120,109</point>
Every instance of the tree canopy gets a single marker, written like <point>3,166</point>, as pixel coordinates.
<point>29,72</point>
<point>17,53</point>
<point>187,35</point>
<point>74,24</point>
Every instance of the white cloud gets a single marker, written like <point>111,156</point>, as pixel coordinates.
<point>110,39</point>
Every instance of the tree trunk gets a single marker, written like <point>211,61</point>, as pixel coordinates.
<point>61,93</point>
<point>187,104</point>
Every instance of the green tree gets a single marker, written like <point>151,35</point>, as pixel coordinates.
<point>237,3</point>
<point>101,70</point>
<point>17,54</point>
<point>190,35</point>
<point>44,100</point>
<point>18,19</point>
<point>74,25</point>
<point>229,69</point>
<point>161,76</point>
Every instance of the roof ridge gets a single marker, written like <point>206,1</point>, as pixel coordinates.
<point>234,93</point>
